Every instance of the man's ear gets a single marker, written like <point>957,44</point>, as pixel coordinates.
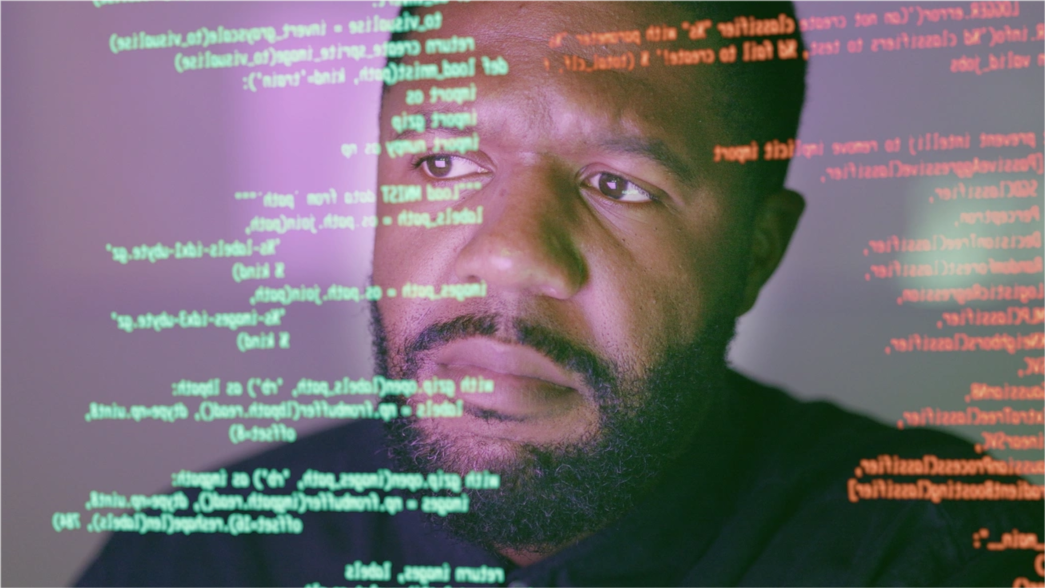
<point>775,222</point>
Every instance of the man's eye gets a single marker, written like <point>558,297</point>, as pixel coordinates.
<point>448,167</point>
<point>617,188</point>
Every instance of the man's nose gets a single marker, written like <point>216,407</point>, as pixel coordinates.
<point>528,240</point>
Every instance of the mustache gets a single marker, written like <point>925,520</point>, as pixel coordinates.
<point>598,373</point>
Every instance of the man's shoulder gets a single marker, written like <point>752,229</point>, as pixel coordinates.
<point>845,499</point>
<point>812,435</point>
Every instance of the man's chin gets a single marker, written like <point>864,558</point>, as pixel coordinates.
<point>462,451</point>
<point>527,512</point>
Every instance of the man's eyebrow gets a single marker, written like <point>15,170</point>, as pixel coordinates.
<point>654,150</point>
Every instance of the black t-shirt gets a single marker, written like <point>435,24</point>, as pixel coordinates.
<point>775,501</point>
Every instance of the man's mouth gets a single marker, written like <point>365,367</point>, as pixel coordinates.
<point>527,385</point>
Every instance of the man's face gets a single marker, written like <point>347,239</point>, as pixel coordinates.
<point>613,252</point>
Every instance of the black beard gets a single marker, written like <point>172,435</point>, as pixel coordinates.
<point>552,495</point>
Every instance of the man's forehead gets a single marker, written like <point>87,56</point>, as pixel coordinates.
<point>533,30</point>
<point>537,22</point>
<point>661,103</point>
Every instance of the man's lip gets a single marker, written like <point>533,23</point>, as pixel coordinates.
<point>503,358</point>
<point>515,400</point>
<point>491,415</point>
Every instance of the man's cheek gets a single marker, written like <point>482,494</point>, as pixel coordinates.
<point>400,325</point>
<point>385,253</point>
<point>396,255</point>
<point>640,318</point>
